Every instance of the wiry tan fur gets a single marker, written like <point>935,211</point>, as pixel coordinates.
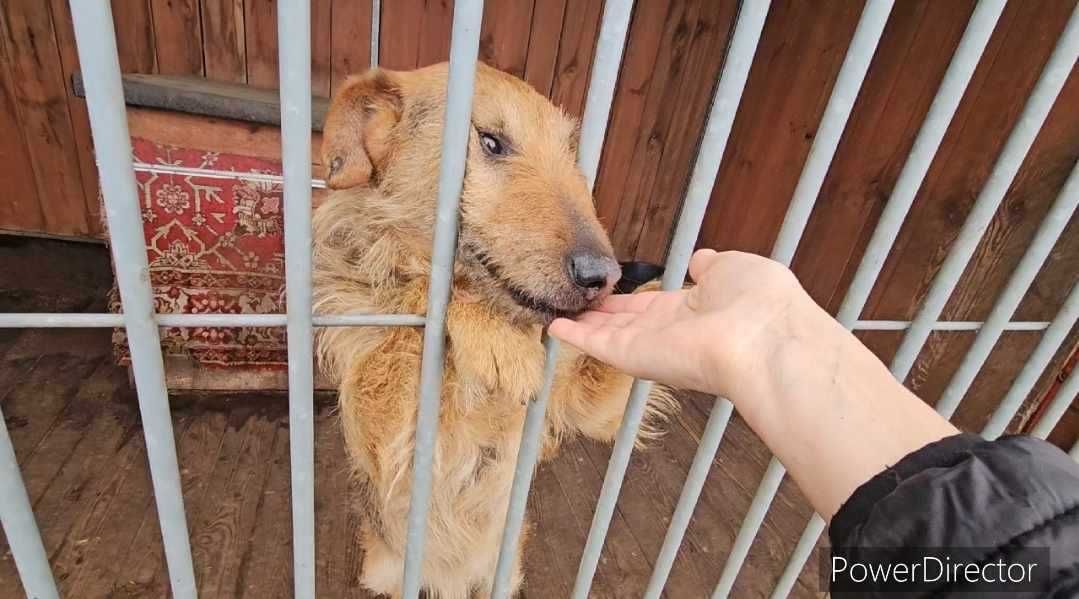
<point>373,240</point>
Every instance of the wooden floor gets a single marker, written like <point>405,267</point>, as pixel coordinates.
<point>75,426</point>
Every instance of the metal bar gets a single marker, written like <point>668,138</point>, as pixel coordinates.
<point>985,207</point>
<point>691,493</point>
<point>715,138</point>
<point>294,33</point>
<point>1039,359</point>
<point>376,22</point>
<point>96,42</point>
<point>209,173</point>
<point>527,457</point>
<point>1048,232</point>
<point>464,50</point>
<point>941,111</point>
<point>944,325</point>
<point>105,320</point>
<point>802,550</point>
<point>606,65</point>
<point>605,68</point>
<point>52,320</point>
<point>20,528</point>
<point>728,96</point>
<point>1065,394</point>
<point>844,93</point>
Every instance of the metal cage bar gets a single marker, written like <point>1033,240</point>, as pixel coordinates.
<point>728,96</point>
<point>1065,394</point>
<point>96,42</point>
<point>376,31</point>
<point>20,528</point>
<point>1048,232</point>
<point>844,93</point>
<point>605,69</point>
<point>464,50</point>
<point>294,33</point>
<point>1020,140</point>
<point>1036,363</point>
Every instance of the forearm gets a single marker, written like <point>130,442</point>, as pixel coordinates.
<point>829,409</point>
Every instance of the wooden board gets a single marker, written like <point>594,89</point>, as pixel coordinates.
<point>350,40</point>
<point>224,42</point>
<point>260,33</point>
<point>177,36</point>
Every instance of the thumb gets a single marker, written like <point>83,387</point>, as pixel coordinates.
<point>701,261</point>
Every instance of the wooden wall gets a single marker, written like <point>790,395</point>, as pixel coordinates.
<point>674,52</point>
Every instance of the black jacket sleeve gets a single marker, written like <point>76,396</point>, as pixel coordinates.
<point>1007,498</point>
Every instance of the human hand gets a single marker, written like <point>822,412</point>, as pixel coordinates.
<point>708,337</point>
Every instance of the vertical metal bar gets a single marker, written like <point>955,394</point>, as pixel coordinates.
<point>1064,396</point>
<point>851,75</point>
<point>952,88</point>
<point>294,33</point>
<point>527,456</point>
<point>1044,240</point>
<point>1037,362</point>
<point>728,96</point>
<point>464,50</point>
<point>985,207</point>
<point>941,111</point>
<point>17,517</point>
<point>96,41</point>
<point>605,68</point>
<point>376,23</point>
<point>844,93</point>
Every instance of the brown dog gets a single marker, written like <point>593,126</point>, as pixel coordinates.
<point>530,248</point>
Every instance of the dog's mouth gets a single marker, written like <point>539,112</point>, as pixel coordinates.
<point>545,309</point>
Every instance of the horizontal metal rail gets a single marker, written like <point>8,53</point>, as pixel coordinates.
<point>61,320</point>
<point>210,173</point>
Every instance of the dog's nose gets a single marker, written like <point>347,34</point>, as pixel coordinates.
<point>593,273</point>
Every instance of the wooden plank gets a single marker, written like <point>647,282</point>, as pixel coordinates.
<point>260,33</point>
<point>398,48</point>
<point>224,42</point>
<point>41,99</point>
<point>198,449</point>
<point>554,547</point>
<point>575,50</point>
<point>544,36</point>
<point>80,119</point>
<point>338,549</point>
<point>504,37</point>
<point>134,35</point>
<point>266,568</point>
<point>799,55</point>
<point>433,32</point>
<point>321,45</point>
<point>350,39</point>
<point>21,210</point>
<point>177,36</point>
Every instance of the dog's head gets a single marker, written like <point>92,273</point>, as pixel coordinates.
<point>530,242</point>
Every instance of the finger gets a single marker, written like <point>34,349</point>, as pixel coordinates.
<point>595,319</point>
<point>701,261</point>
<point>636,302</point>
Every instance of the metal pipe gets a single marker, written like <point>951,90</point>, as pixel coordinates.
<point>20,528</point>
<point>606,65</point>
<point>209,173</point>
<point>294,33</point>
<point>1048,232</point>
<point>1037,108</point>
<point>1065,394</point>
<point>464,50</point>
<point>802,550</point>
<point>96,42</point>
<point>105,320</point>
<point>376,22</point>
<point>826,140</point>
<point>952,87</point>
<point>728,96</point>
<point>1039,359</point>
<point>527,457</point>
<point>844,93</point>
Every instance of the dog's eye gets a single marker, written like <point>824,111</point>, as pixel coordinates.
<point>491,144</point>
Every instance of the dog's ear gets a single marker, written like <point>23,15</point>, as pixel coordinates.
<point>359,122</point>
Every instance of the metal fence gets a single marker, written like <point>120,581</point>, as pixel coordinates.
<point>101,74</point>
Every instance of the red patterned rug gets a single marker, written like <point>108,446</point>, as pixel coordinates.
<point>215,246</point>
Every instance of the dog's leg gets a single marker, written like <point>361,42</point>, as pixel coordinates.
<point>381,565</point>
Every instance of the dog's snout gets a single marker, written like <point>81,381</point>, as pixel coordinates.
<point>593,273</point>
